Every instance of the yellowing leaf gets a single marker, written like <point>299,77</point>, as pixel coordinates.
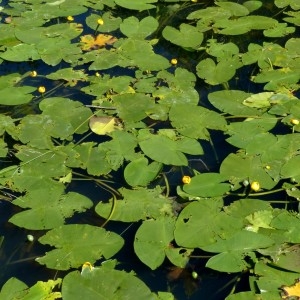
<point>89,42</point>
<point>291,291</point>
<point>102,125</point>
<point>259,100</point>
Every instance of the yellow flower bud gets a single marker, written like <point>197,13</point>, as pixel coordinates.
<point>295,121</point>
<point>70,18</point>
<point>255,186</point>
<point>186,179</point>
<point>267,167</point>
<point>97,74</point>
<point>100,21</point>
<point>41,89</point>
<point>174,61</point>
<point>33,73</point>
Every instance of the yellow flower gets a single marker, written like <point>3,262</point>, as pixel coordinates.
<point>70,18</point>
<point>186,179</point>
<point>41,89</point>
<point>97,74</point>
<point>255,186</point>
<point>33,73</point>
<point>174,61</point>
<point>268,167</point>
<point>295,121</point>
<point>100,21</point>
<point>194,0</point>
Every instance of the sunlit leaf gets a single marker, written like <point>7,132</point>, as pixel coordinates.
<point>134,28</point>
<point>136,5</point>
<point>152,239</point>
<point>207,185</point>
<point>102,125</point>
<point>76,244</point>
<point>139,172</point>
<point>187,36</point>
<point>45,211</point>
<point>104,283</point>
<point>138,204</point>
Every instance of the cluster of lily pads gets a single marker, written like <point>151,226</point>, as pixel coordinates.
<point>144,102</point>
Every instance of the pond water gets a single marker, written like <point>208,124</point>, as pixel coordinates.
<point>159,119</point>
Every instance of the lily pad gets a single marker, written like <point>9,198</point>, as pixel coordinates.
<point>76,244</point>
<point>134,28</point>
<point>188,36</point>
<point>152,239</point>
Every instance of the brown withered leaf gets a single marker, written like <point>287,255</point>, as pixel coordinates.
<point>89,42</point>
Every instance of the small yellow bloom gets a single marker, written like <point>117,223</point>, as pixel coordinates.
<point>174,61</point>
<point>70,18</point>
<point>100,21</point>
<point>268,167</point>
<point>33,73</point>
<point>295,121</point>
<point>87,267</point>
<point>186,179</point>
<point>97,74</point>
<point>194,0</point>
<point>255,186</point>
<point>41,89</point>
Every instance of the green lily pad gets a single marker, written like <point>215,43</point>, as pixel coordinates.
<point>152,239</point>
<point>46,211</point>
<point>218,73</point>
<point>188,36</point>
<point>139,172</point>
<point>193,121</point>
<point>15,288</point>
<point>167,151</point>
<point>103,283</point>
<point>140,5</point>
<point>16,95</point>
<point>75,244</point>
<point>194,227</point>
<point>21,52</point>
<point>138,204</point>
<point>207,185</point>
<point>134,28</point>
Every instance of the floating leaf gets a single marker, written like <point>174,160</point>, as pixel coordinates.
<point>218,73</point>
<point>76,244</point>
<point>70,75</point>
<point>16,95</point>
<point>259,100</point>
<point>232,102</point>
<point>234,8</point>
<point>140,173</point>
<point>14,289</point>
<point>89,42</point>
<point>238,167</point>
<point>136,5</point>
<point>194,228</point>
<point>49,210</point>
<point>21,52</point>
<point>167,151</point>
<point>134,28</point>
<point>207,185</point>
<point>103,125</point>
<point>289,169</point>
<point>188,36</point>
<point>138,204</point>
<point>193,121</point>
<point>104,283</point>
<point>152,239</point>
